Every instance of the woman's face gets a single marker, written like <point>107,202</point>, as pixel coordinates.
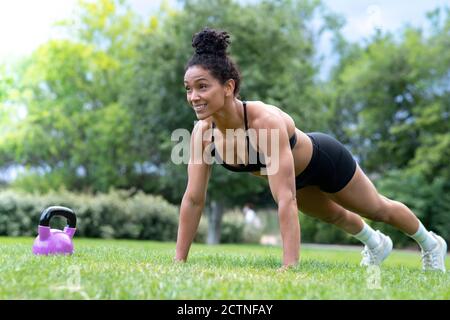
<point>204,93</point>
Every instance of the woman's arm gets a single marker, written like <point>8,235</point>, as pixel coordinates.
<point>190,214</point>
<point>194,197</point>
<point>281,176</point>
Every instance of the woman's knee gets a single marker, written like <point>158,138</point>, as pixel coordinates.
<point>382,211</point>
<point>337,217</point>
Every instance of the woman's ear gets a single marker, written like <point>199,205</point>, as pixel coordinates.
<point>229,87</point>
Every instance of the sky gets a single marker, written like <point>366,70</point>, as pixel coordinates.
<point>363,16</point>
<point>25,24</point>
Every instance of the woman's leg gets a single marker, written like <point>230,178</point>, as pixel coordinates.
<point>315,203</point>
<point>361,196</point>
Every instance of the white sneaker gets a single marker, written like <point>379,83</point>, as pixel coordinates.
<point>434,259</point>
<point>374,257</point>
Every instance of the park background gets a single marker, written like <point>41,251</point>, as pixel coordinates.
<point>86,117</point>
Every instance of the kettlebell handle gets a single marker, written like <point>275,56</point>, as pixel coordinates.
<point>50,212</point>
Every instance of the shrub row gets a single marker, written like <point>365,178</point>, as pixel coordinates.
<point>113,215</point>
<point>121,215</point>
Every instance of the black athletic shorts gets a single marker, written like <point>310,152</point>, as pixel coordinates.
<point>331,167</point>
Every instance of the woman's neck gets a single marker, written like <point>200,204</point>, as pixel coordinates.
<point>231,116</point>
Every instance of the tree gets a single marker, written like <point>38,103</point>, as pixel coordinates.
<point>8,114</point>
<point>75,133</point>
<point>390,100</point>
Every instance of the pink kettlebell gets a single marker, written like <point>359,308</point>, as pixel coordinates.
<point>55,241</point>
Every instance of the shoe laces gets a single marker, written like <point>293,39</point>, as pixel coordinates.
<point>367,255</point>
<point>430,259</point>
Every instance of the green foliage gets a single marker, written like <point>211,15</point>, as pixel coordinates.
<point>113,215</point>
<point>232,228</point>
<point>390,101</point>
<point>7,119</point>
<point>235,230</point>
<point>430,201</point>
<point>316,231</point>
<point>76,132</point>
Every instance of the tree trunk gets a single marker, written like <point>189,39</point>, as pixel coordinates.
<point>214,222</point>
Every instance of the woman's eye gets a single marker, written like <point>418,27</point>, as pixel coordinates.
<point>203,86</point>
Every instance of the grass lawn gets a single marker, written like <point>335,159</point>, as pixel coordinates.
<point>122,269</point>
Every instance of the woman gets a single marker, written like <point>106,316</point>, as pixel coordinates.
<point>311,172</point>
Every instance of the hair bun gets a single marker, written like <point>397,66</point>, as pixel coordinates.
<point>210,41</point>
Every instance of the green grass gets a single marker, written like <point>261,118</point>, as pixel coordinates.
<point>119,269</point>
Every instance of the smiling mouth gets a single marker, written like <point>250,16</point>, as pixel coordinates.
<point>200,107</point>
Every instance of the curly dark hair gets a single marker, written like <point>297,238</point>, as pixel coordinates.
<point>211,53</point>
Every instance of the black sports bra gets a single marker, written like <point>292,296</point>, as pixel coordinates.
<point>251,167</point>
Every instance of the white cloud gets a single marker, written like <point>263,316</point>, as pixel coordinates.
<point>24,24</point>
<point>365,16</point>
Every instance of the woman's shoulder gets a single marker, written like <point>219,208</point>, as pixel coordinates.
<point>262,114</point>
<point>258,110</point>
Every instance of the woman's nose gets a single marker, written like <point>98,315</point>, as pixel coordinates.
<point>194,96</point>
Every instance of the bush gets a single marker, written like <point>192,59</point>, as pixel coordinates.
<point>235,230</point>
<point>316,231</point>
<point>113,215</point>
<point>313,230</point>
<point>232,228</point>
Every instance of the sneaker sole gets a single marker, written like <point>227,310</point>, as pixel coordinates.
<point>388,249</point>
<point>443,252</point>
<point>386,253</point>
